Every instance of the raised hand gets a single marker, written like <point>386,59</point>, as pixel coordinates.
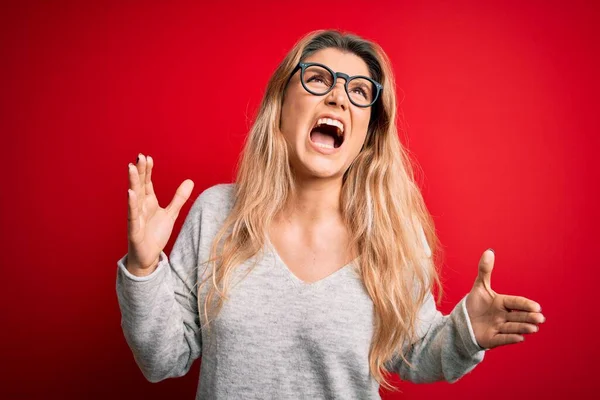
<point>499,319</point>
<point>149,226</point>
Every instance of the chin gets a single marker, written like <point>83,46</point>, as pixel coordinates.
<point>315,167</point>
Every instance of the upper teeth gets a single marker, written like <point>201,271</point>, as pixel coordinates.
<point>332,122</point>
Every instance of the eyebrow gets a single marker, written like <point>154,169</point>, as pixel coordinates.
<point>333,69</point>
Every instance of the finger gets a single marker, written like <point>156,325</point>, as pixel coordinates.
<point>134,183</point>
<point>148,185</point>
<point>521,303</point>
<point>521,316</point>
<point>518,327</point>
<point>141,167</point>
<point>133,217</point>
<point>486,265</point>
<point>181,195</point>
<point>504,339</point>
<point>134,178</point>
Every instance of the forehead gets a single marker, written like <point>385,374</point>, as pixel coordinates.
<point>340,61</point>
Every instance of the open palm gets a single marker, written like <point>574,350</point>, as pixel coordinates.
<point>499,319</point>
<point>149,225</point>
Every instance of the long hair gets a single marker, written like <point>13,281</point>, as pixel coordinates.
<point>381,204</point>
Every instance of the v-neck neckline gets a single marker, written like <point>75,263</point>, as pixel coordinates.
<point>299,282</point>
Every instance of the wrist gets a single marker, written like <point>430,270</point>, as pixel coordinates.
<point>137,270</point>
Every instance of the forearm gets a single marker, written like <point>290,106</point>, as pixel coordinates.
<point>163,341</point>
<point>446,351</point>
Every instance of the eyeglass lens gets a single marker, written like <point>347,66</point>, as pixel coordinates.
<point>319,80</point>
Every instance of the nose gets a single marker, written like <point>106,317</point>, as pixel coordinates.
<point>338,96</point>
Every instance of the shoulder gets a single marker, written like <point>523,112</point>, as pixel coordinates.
<point>218,194</point>
<point>217,199</point>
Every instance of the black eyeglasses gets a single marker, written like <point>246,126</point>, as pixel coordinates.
<point>319,79</point>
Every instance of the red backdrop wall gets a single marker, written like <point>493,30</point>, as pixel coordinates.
<point>501,106</point>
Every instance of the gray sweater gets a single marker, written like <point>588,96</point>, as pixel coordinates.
<point>276,337</point>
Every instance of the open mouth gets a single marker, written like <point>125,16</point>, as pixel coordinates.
<point>327,133</point>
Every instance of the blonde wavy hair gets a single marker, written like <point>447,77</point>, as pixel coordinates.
<point>380,201</point>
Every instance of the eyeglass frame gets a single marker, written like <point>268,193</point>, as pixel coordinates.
<point>302,67</point>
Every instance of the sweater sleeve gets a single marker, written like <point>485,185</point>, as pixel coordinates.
<point>447,348</point>
<point>159,312</point>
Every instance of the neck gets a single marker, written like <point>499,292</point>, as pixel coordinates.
<point>314,200</point>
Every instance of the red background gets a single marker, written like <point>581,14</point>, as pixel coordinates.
<point>501,105</point>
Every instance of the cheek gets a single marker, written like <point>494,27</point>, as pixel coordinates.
<point>361,125</point>
<point>290,117</point>
<point>287,124</point>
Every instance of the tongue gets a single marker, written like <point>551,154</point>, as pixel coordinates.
<point>319,137</point>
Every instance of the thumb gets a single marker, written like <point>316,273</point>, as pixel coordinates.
<point>182,194</point>
<point>486,265</point>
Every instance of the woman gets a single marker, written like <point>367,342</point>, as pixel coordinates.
<point>311,277</point>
